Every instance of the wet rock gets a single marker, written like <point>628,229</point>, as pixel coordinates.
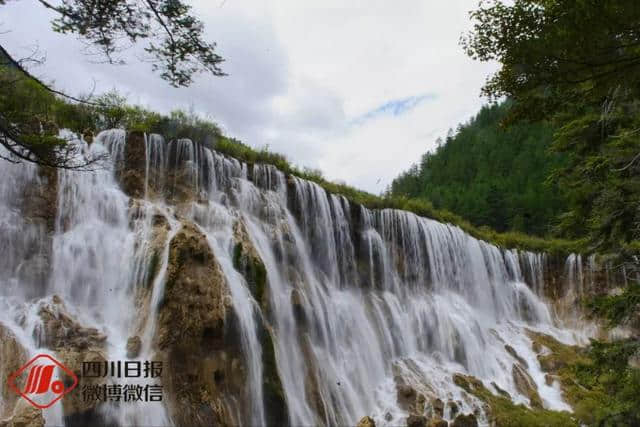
<point>500,390</point>
<point>453,408</point>
<point>131,173</point>
<point>74,345</point>
<point>438,407</point>
<point>88,136</point>
<point>406,396</point>
<point>194,296</point>
<point>37,203</point>
<point>468,383</point>
<point>388,416</point>
<point>516,356</point>
<point>24,415</point>
<point>297,304</point>
<point>549,379</point>
<point>420,404</point>
<point>12,357</point>
<point>134,344</point>
<point>40,201</point>
<point>366,422</point>
<point>416,421</point>
<point>199,337</point>
<point>437,422</point>
<point>248,262</point>
<point>276,412</point>
<point>312,381</point>
<point>462,420</point>
<point>526,386</point>
<point>61,330</point>
<point>159,235</point>
<point>73,403</point>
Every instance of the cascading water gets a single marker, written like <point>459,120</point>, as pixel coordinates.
<point>358,302</point>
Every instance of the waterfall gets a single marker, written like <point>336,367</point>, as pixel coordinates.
<point>358,302</point>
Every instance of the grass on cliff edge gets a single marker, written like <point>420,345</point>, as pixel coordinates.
<point>111,110</point>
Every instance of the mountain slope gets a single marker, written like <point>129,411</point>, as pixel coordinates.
<point>490,175</point>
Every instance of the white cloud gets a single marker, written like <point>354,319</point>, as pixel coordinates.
<point>302,76</point>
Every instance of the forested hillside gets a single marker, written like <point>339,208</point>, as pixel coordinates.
<point>491,174</point>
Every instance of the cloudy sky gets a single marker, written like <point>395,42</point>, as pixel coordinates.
<point>359,89</point>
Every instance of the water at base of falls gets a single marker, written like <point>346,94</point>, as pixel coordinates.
<point>359,301</point>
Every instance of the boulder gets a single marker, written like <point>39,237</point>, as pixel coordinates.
<point>453,408</point>
<point>366,422</point>
<point>416,421</point>
<point>462,420</point>
<point>438,407</point>
<point>526,386</point>
<point>61,330</point>
<point>437,422</point>
<point>406,396</point>
<point>74,344</point>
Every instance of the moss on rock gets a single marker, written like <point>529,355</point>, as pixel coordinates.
<point>502,412</point>
<point>276,411</point>
<point>198,336</point>
<point>596,381</point>
<point>248,262</point>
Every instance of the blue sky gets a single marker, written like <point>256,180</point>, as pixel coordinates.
<point>359,89</point>
<point>394,107</point>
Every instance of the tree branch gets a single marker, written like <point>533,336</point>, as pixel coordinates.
<point>19,66</point>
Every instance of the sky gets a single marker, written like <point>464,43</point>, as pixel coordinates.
<point>357,89</point>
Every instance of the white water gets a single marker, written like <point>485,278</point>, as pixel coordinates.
<point>385,294</point>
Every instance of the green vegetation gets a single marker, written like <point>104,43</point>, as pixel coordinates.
<point>504,413</point>
<point>174,44</point>
<point>616,309</point>
<point>491,175</point>
<point>576,65</point>
<point>254,272</point>
<point>597,381</point>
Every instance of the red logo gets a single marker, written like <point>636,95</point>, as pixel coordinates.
<point>40,381</point>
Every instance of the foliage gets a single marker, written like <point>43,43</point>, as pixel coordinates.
<point>175,47</point>
<point>577,64</point>
<point>29,125</point>
<point>556,54</point>
<point>174,36</point>
<point>616,309</point>
<point>597,381</point>
<point>504,413</point>
<point>491,175</point>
